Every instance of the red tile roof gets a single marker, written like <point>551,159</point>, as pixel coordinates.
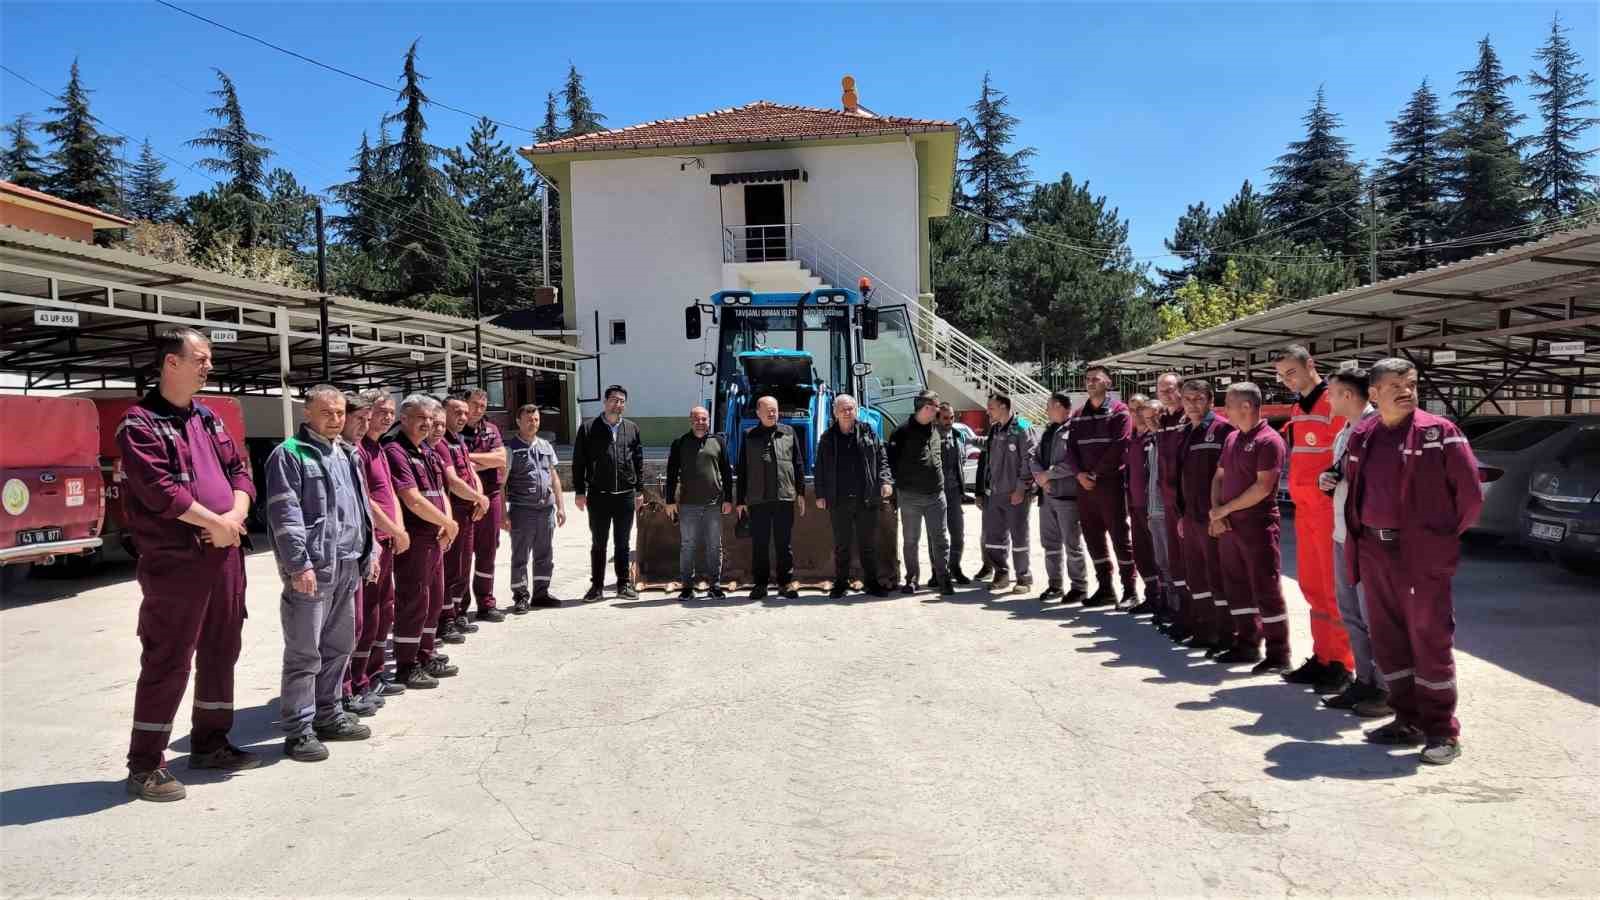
<point>103,219</point>
<point>754,123</point>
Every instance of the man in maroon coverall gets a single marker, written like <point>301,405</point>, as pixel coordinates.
<point>1205,620</point>
<point>1097,442</point>
<point>1244,519</point>
<point>392,539</point>
<point>487,450</point>
<point>1413,490</point>
<point>467,506</point>
<point>418,475</point>
<point>1171,427</point>
<point>187,494</point>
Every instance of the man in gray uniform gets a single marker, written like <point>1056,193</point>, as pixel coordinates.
<point>322,536</point>
<point>1005,510</point>
<point>534,511</point>
<point>1057,479</point>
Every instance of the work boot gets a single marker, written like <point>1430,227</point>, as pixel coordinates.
<point>1129,598</point>
<point>227,757</point>
<point>595,594</point>
<point>1353,693</point>
<point>1104,595</point>
<point>305,748</point>
<point>450,634</point>
<point>1239,655</point>
<point>1052,591</point>
<point>983,572</point>
<point>687,592</point>
<point>791,591</point>
<point>1270,666</point>
<point>1397,734</point>
<point>1441,751</point>
<point>1336,679</point>
<point>626,591</point>
<point>1023,585</point>
<point>465,625</point>
<point>876,589</point>
<point>838,590</point>
<point>947,588</point>
<point>372,695</point>
<point>389,687</point>
<point>156,785</point>
<point>1179,633</point>
<point>1144,608</point>
<point>758,591</point>
<point>958,577</point>
<point>1223,645</point>
<point>910,587</point>
<point>519,606</point>
<point>1374,707</point>
<point>359,706</point>
<point>543,600</point>
<point>417,679</point>
<point>490,615</point>
<point>717,593</point>
<point>344,727</point>
<point>440,668</point>
<point>1001,583</point>
<point>1076,595</point>
<point>1310,672</point>
<point>441,657</point>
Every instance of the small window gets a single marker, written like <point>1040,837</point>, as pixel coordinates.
<point>619,331</point>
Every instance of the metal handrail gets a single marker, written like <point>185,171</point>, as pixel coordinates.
<point>757,243</point>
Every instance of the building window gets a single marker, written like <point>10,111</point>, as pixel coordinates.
<point>619,331</point>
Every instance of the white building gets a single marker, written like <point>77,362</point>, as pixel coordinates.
<point>764,196</point>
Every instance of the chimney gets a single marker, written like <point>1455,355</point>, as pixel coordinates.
<point>852,104</point>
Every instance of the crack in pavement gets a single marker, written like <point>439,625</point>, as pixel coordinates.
<point>1079,735</point>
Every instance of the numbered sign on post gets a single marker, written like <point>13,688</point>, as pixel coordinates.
<point>55,318</point>
<point>224,336</point>
<point>1567,348</point>
<point>418,355</point>
<point>1443,356</point>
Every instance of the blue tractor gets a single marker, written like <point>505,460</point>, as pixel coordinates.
<point>803,350</point>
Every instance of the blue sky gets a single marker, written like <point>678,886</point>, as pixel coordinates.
<point>1157,105</point>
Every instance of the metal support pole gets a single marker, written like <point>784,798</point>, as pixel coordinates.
<point>322,288</point>
<point>281,318</point>
<point>477,325</point>
<point>1372,231</point>
<point>447,373</point>
<point>544,234</point>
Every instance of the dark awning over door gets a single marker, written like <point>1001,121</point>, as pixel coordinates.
<point>759,177</point>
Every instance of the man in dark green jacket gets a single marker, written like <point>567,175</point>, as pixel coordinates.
<point>699,485</point>
<point>772,490</point>
<point>917,462</point>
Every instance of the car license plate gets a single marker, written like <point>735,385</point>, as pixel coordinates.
<point>1547,532</point>
<point>38,536</point>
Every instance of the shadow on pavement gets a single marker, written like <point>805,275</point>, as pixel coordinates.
<point>1281,709</point>
<point>1303,761</point>
<point>48,802</point>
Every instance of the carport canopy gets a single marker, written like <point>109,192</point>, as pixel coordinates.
<point>1518,323</point>
<point>76,316</point>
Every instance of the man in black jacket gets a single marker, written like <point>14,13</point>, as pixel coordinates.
<point>852,481</point>
<point>772,490</point>
<point>607,470</point>
<point>917,462</point>
<point>699,485</point>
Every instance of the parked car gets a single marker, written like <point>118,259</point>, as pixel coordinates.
<point>54,502</point>
<point>1475,427</point>
<point>1507,458</point>
<point>1562,514</point>
<point>969,465</point>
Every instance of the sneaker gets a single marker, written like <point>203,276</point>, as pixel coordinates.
<point>544,601</point>
<point>1337,679</point>
<point>418,679</point>
<point>156,785</point>
<point>1310,672</point>
<point>758,592</point>
<point>1076,595</point>
<point>449,634</point>
<point>1001,583</point>
<point>372,696</point>
<point>440,668</point>
<point>227,757</point>
<point>909,587</point>
<point>595,594</point>
<point>876,589</point>
<point>1052,591</point>
<point>1397,734</point>
<point>1270,666</point>
<point>687,593</point>
<point>1104,595</point>
<point>441,657</point>
<point>1239,656</point>
<point>626,591</point>
<point>390,688</point>
<point>1375,707</point>
<point>344,728</point>
<point>465,625</point>
<point>838,590</point>
<point>519,603</point>
<point>305,748</point>
<point>1441,751</point>
<point>717,593</point>
<point>791,591</point>
<point>359,706</point>
<point>1353,693</point>
<point>490,615</point>
<point>1023,586</point>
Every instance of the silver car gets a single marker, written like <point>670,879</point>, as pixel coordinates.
<point>1507,459</point>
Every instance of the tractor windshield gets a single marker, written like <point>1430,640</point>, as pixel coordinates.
<point>772,328</point>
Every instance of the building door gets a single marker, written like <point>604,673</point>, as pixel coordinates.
<point>767,233</point>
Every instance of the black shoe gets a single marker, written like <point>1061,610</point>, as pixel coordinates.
<point>1219,648</point>
<point>519,606</point>
<point>983,573</point>
<point>1052,591</point>
<point>418,679</point>
<point>305,748</point>
<point>687,593</point>
<point>910,587</point>
<point>441,657</point>
<point>1310,672</point>
<point>450,634</point>
<point>1146,607</point>
<point>1397,734</point>
<point>758,592</point>
<point>717,593</point>
<point>791,591</point>
<point>1178,633</point>
<point>1338,678</point>
<point>947,588</point>
<point>626,591</point>
<point>1239,656</point>
<point>595,594</point>
<point>1076,595</point>
<point>227,757</point>
<point>1270,666</point>
<point>359,706</point>
<point>1353,693</point>
<point>957,576</point>
<point>544,601</point>
<point>838,590</point>
<point>390,688</point>
<point>466,626</point>
<point>491,615</point>
<point>876,589</point>
<point>1128,601</point>
<point>440,668</point>
<point>344,728</point>
<point>1103,595</point>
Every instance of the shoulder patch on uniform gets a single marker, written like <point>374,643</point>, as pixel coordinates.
<point>1431,433</point>
<point>1311,438</point>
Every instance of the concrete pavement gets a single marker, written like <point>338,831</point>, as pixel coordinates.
<point>986,745</point>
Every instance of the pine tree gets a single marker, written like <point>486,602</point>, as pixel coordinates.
<point>85,163</point>
<point>290,222</point>
<point>550,129</point>
<point>500,203</point>
<point>22,163</point>
<point>1315,185</point>
<point>1486,171</point>
<point>1191,237</point>
<point>1558,179</point>
<point>151,197</point>
<point>1412,178</point>
<point>240,154</point>
<point>580,112</point>
<point>432,246</point>
<point>357,257</point>
<point>996,182</point>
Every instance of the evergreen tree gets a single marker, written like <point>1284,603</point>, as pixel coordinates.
<point>22,163</point>
<point>996,182</point>
<point>500,202</point>
<point>1558,179</point>
<point>1486,171</point>
<point>85,163</point>
<point>1315,185</point>
<point>290,223</point>
<point>240,152</point>
<point>151,197</point>
<point>550,129</point>
<point>1412,178</point>
<point>581,115</point>
<point>432,247</point>
<point>1193,235</point>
